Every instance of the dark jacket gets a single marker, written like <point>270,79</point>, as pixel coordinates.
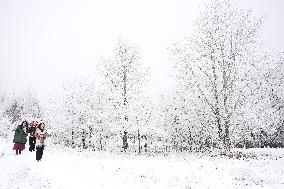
<point>32,131</point>
<point>20,135</point>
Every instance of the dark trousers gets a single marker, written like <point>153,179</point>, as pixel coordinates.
<point>39,152</point>
<point>32,141</point>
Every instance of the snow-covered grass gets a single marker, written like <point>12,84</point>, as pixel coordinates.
<point>66,168</point>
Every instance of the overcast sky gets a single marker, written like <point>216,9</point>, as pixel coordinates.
<point>45,42</point>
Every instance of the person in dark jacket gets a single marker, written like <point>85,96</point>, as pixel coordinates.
<point>32,138</point>
<point>20,137</point>
<point>40,135</point>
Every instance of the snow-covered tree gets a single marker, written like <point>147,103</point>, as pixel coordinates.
<point>78,118</point>
<point>24,106</point>
<point>260,117</point>
<point>123,78</point>
<point>16,108</point>
<point>5,122</point>
<point>213,65</point>
<point>31,108</point>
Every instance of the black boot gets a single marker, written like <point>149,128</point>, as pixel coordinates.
<point>16,152</point>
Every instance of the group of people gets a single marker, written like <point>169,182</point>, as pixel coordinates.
<point>37,135</point>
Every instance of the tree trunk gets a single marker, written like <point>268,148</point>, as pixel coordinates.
<point>139,142</point>
<point>72,139</point>
<point>90,136</point>
<point>101,145</point>
<point>83,139</point>
<point>227,137</point>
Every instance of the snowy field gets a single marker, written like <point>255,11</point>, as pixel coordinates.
<point>73,169</point>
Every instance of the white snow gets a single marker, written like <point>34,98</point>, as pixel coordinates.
<point>66,168</point>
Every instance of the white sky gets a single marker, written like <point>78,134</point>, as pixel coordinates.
<point>45,42</point>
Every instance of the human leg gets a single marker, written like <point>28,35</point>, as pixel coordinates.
<point>30,144</point>
<point>37,153</point>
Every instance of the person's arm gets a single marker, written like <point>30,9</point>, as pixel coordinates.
<point>17,129</point>
<point>45,135</point>
<point>36,134</point>
<point>26,131</point>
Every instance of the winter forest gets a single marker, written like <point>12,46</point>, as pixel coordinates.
<point>220,124</point>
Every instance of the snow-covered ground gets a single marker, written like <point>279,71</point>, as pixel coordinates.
<point>71,169</point>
